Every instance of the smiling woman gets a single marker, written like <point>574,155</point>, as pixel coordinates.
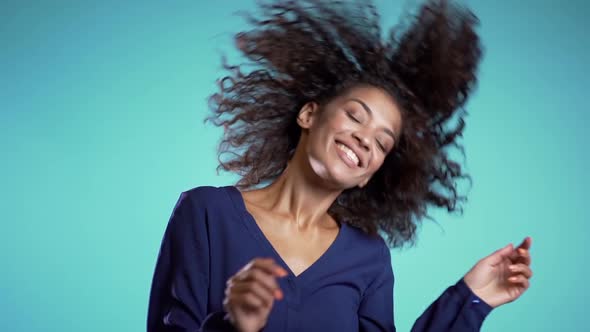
<point>355,129</point>
<point>316,52</point>
<point>338,136</point>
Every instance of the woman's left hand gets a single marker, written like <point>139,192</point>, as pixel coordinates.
<point>503,276</point>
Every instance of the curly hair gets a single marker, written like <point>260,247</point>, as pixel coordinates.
<point>313,50</point>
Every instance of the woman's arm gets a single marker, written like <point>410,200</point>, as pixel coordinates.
<point>457,309</point>
<point>179,292</point>
<point>376,307</point>
<point>496,279</point>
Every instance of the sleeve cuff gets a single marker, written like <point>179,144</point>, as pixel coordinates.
<point>471,300</point>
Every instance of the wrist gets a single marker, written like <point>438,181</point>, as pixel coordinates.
<point>236,327</point>
<point>472,294</point>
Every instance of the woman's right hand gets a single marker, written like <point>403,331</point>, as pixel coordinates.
<point>251,292</point>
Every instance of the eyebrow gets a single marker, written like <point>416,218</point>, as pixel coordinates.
<point>370,112</point>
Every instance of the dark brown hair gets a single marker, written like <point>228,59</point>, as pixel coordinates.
<point>301,51</point>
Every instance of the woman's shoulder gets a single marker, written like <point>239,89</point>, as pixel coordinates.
<point>203,204</point>
<point>207,196</point>
<point>370,244</point>
<point>203,192</point>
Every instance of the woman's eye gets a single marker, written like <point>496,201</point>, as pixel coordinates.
<point>381,146</point>
<point>352,117</point>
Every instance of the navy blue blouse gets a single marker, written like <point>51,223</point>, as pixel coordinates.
<point>211,235</point>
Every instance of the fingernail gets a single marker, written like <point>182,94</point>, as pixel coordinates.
<point>512,267</point>
<point>278,294</point>
<point>282,272</point>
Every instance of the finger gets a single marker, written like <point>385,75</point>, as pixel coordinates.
<point>499,255</point>
<point>519,280</point>
<point>265,264</point>
<point>255,288</point>
<point>246,300</point>
<point>268,265</point>
<point>521,269</point>
<point>265,279</point>
<point>523,256</point>
<point>526,243</point>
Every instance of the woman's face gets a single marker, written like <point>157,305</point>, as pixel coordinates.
<point>347,140</point>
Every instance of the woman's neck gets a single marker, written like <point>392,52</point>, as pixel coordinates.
<point>299,197</point>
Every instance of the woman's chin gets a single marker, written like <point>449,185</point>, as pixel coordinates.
<point>333,175</point>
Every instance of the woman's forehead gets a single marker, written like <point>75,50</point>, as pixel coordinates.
<point>374,101</point>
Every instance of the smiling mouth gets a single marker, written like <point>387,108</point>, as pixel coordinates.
<point>348,155</point>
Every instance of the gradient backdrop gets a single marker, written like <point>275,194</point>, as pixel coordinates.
<point>101,108</point>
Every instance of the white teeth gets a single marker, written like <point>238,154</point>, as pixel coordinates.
<point>349,153</point>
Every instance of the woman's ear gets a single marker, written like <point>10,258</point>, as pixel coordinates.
<point>307,114</point>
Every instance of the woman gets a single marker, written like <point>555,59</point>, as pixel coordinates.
<point>339,138</point>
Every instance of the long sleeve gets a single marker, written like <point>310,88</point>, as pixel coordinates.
<point>179,292</point>
<point>376,307</point>
<point>457,309</point>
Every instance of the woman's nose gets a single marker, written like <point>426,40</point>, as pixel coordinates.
<point>362,140</point>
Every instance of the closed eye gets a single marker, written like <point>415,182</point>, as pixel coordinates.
<point>352,117</point>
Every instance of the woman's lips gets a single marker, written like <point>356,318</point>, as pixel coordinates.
<point>349,162</point>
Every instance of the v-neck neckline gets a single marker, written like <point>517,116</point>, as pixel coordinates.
<point>252,225</point>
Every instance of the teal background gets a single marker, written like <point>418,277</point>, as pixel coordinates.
<point>101,108</point>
